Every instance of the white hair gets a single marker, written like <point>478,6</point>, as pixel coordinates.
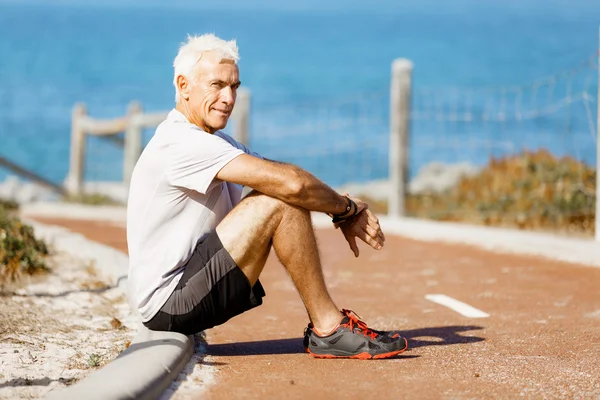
<point>191,51</point>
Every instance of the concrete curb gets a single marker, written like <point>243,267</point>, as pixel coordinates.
<point>152,361</point>
<point>573,250</point>
<point>500,240</point>
<point>143,371</point>
<point>74,211</point>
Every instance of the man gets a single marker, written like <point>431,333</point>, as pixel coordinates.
<point>196,251</point>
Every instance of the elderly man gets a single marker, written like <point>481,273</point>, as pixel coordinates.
<point>196,249</point>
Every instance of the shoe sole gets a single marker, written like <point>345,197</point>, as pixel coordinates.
<point>361,356</point>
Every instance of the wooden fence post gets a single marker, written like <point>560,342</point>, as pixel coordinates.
<point>241,117</point>
<point>400,94</point>
<point>77,157</point>
<point>133,140</point>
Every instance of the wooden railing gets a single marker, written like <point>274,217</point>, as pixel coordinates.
<point>132,125</point>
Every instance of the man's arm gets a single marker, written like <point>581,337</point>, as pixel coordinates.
<point>286,182</point>
<point>296,186</point>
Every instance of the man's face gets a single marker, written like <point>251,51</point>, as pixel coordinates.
<point>212,92</point>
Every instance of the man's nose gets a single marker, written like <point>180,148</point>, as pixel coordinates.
<point>227,95</point>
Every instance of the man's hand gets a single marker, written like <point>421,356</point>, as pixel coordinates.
<point>364,226</point>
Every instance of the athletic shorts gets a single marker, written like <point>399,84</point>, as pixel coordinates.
<point>212,290</point>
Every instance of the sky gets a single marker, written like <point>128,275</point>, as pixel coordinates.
<point>382,5</point>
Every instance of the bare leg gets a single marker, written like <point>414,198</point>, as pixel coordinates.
<point>260,221</point>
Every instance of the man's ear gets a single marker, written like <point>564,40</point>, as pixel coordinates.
<point>183,87</point>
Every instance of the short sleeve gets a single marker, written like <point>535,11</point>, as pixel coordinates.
<point>238,145</point>
<point>196,160</point>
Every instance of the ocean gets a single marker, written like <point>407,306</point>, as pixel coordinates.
<point>489,78</point>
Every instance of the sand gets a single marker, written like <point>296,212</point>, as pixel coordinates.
<point>58,328</point>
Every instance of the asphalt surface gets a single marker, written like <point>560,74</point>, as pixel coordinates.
<point>540,340</point>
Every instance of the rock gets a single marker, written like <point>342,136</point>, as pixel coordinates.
<point>24,192</point>
<point>438,177</point>
<point>432,178</point>
<point>375,190</point>
<point>9,188</point>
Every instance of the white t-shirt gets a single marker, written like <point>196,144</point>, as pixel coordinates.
<point>175,201</point>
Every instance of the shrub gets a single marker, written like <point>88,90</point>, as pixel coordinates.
<point>92,199</point>
<point>21,253</point>
<point>532,190</point>
<point>8,204</point>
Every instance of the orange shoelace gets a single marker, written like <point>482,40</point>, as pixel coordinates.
<point>355,322</point>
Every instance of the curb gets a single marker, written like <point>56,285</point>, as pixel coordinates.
<point>152,361</point>
<point>583,251</point>
<point>143,371</point>
<point>74,211</point>
<point>499,240</point>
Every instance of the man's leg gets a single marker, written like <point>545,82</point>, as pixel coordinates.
<point>260,221</point>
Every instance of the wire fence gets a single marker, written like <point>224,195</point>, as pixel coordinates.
<point>515,155</point>
<point>104,158</point>
<point>340,141</point>
<point>556,113</point>
<point>522,155</point>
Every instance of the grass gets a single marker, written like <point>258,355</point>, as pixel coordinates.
<point>35,326</point>
<point>9,205</point>
<point>21,253</point>
<point>93,199</point>
<point>94,360</point>
<point>532,190</point>
<point>529,191</point>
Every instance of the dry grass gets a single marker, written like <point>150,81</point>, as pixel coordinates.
<point>55,330</point>
<point>93,199</point>
<point>9,205</point>
<point>532,191</point>
<point>92,280</point>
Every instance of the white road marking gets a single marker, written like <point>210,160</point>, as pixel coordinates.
<point>458,306</point>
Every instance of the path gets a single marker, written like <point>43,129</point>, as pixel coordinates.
<point>541,339</point>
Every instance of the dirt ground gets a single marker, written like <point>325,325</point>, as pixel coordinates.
<point>57,328</point>
<point>541,339</point>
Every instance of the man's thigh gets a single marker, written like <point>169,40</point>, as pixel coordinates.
<point>212,290</point>
<point>247,230</point>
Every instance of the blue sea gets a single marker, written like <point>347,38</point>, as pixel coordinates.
<point>490,77</point>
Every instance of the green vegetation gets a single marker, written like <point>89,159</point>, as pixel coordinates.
<point>532,190</point>
<point>92,199</point>
<point>94,360</point>
<point>20,252</point>
<point>9,204</point>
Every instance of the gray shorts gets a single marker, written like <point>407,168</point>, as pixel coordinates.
<point>212,290</point>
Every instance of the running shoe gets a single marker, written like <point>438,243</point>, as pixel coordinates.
<point>352,338</point>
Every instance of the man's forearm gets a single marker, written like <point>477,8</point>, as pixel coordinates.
<point>312,193</point>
